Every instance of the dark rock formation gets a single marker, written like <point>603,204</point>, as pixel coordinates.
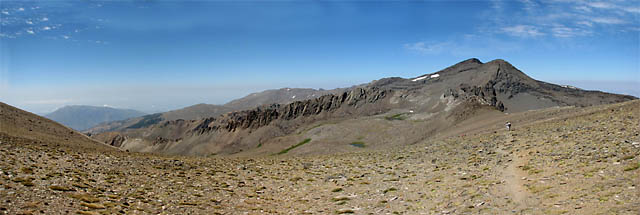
<point>264,115</point>
<point>117,140</point>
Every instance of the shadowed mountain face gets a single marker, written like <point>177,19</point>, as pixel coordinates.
<point>82,117</point>
<point>383,113</point>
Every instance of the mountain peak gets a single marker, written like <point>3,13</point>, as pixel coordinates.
<point>471,60</point>
<point>461,66</point>
<point>500,62</point>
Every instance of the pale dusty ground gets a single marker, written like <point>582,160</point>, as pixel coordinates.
<point>585,164</point>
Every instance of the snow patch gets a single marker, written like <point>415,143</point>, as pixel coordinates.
<point>426,76</point>
<point>293,97</point>
<point>420,78</point>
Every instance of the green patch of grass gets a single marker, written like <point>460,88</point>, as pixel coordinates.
<point>147,121</point>
<point>537,189</point>
<point>358,144</point>
<point>295,146</point>
<point>259,145</point>
<point>400,116</point>
<point>340,198</point>
<point>632,167</point>
<point>389,190</point>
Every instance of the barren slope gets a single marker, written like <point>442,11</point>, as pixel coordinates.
<point>576,161</point>
<point>16,124</point>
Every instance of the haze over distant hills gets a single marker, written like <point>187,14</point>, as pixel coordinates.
<point>81,117</point>
<point>386,112</point>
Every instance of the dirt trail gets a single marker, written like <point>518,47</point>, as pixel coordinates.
<point>512,175</point>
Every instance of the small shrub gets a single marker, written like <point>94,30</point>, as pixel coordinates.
<point>389,190</point>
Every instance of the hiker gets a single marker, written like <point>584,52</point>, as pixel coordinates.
<point>508,124</point>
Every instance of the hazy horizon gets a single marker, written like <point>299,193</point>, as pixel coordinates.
<point>163,55</point>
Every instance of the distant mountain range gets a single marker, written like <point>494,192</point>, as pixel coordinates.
<point>383,113</point>
<point>82,117</point>
<point>199,111</point>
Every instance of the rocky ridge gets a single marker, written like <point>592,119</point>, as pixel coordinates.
<point>436,102</point>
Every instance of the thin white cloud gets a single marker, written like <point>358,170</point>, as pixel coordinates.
<point>601,5</point>
<point>46,28</point>
<point>584,9</point>
<point>563,18</point>
<point>607,20</point>
<point>427,48</point>
<point>564,31</point>
<point>586,23</point>
<point>522,31</point>
<point>632,9</point>
<point>30,31</point>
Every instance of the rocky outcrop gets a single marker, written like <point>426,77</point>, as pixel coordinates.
<point>264,115</point>
<point>117,140</point>
<point>486,94</point>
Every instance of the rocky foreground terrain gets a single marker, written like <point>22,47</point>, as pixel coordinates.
<point>576,161</point>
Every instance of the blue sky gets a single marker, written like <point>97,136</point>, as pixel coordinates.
<point>162,55</point>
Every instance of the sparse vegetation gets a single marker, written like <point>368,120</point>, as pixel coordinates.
<point>305,141</point>
<point>147,121</point>
<point>399,116</point>
<point>390,190</point>
<point>420,178</point>
<point>632,167</point>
